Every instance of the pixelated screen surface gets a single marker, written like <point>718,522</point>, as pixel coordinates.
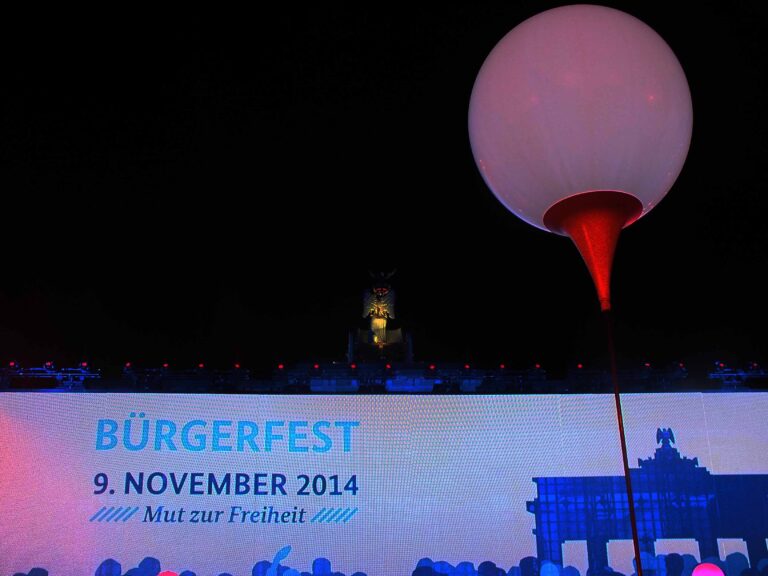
<point>373,484</point>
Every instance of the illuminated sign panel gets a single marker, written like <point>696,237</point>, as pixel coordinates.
<point>372,484</point>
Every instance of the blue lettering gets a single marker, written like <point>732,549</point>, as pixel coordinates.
<point>106,439</point>
<point>269,434</point>
<point>347,426</point>
<point>199,446</point>
<point>219,435</point>
<point>164,432</point>
<point>320,435</point>
<point>294,435</point>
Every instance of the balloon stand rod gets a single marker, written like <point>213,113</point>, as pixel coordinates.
<point>608,317</point>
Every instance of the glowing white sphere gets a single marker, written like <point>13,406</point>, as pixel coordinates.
<point>577,99</point>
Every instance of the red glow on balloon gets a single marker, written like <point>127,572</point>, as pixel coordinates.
<point>593,220</point>
<point>280,366</point>
<point>579,366</point>
<point>168,573</point>
<point>388,366</point>
<point>538,366</point>
<point>431,366</point>
<point>12,364</point>
<point>466,366</point>
<point>502,366</point>
<point>201,365</point>
<point>165,365</point>
<point>84,364</point>
<point>316,366</point>
<point>353,366</point>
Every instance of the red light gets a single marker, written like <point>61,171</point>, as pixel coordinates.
<point>647,364</point>
<point>201,365</point>
<point>84,364</point>
<point>502,366</point>
<point>316,366</point>
<point>681,365</point>
<point>431,366</point>
<point>537,366</point>
<point>579,366</point>
<point>466,366</point>
<point>165,365</point>
<point>237,366</point>
<point>353,366</point>
<point>280,366</point>
<point>388,366</point>
<point>722,365</point>
<point>48,364</point>
<point>12,364</point>
<point>127,364</point>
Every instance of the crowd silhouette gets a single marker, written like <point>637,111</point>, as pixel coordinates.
<point>735,564</point>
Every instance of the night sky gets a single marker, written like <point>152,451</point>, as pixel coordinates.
<point>216,188</point>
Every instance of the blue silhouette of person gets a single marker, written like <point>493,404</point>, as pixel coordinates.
<point>261,568</point>
<point>529,566</point>
<point>149,566</point>
<point>38,572</point>
<point>187,573</point>
<point>487,568</point>
<point>321,567</point>
<point>736,563</point>
<point>109,567</point>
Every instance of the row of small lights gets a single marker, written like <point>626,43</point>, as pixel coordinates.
<point>353,366</point>
<point>388,366</point>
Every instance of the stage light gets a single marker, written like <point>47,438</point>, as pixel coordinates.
<point>353,366</point>
<point>579,365</point>
<point>388,366</point>
<point>431,366</point>
<point>237,366</point>
<point>165,364</point>
<point>12,364</point>
<point>537,366</point>
<point>316,366</point>
<point>466,366</point>
<point>127,364</point>
<point>647,364</point>
<point>84,364</point>
<point>201,365</point>
<point>502,366</point>
<point>280,366</point>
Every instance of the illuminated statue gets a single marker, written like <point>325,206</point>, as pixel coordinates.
<point>379,306</point>
<point>379,337</point>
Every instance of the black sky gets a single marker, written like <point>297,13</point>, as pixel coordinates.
<point>216,188</point>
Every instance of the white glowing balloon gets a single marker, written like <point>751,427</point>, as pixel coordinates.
<point>577,99</point>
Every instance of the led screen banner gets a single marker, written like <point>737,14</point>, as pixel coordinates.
<point>376,485</point>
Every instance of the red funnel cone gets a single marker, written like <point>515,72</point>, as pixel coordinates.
<point>593,220</point>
